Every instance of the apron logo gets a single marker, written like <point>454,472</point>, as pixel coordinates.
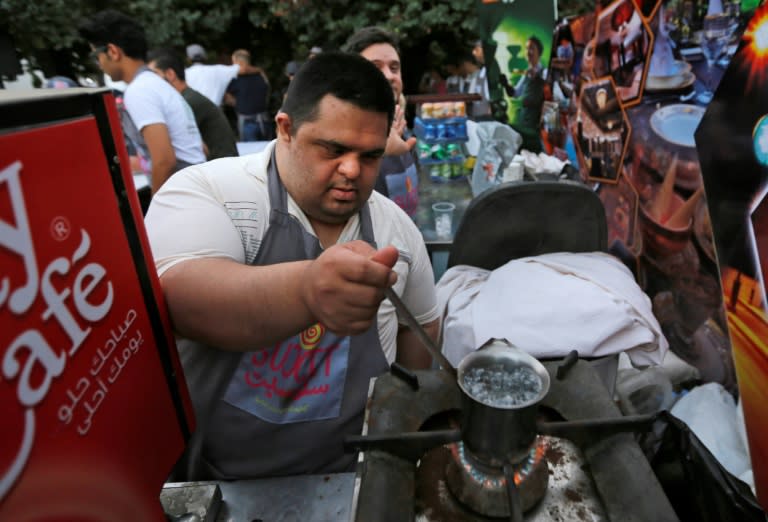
<point>299,379</point>
<point>310,337</point>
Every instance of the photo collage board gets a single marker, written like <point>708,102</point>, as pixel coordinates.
<point>661,105</point>
<point>664,110</point>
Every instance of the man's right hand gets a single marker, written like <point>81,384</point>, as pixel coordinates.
<point>344,287</point>
<point>508,89</point>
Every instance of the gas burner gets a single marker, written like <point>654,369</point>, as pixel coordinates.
<point>483,488</point>
<point>569,495</point>
<point>592,469</point>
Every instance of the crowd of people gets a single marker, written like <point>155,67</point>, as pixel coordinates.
<point>243,90</point>
<point>173,111</point>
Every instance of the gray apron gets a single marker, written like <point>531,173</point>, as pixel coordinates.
<point>284,409</point>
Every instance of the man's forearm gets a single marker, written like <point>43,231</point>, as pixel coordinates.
<point>160,152</point>
<point>233,306</point>
<point>161,171</point>
<point>411,352</point>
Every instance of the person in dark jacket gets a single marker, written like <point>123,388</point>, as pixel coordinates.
<point>249,93</point>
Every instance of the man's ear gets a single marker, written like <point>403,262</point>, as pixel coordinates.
<point>284,126</point>
<point>114,52</point>
<point>170,75</point>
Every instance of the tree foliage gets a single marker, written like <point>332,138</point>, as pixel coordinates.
<point>276,31</point>
<point>45,31</point>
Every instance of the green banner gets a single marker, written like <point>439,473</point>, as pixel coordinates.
<point>505,27</point>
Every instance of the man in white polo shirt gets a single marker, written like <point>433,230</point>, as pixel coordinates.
<point>274,267</point>
<point>161,122</point>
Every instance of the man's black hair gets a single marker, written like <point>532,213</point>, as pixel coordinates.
<point>564,32</point>
<point>535,41</point>
<point>346,76</point>
<point>368,36</point>
<point>113,27</point>
<point>167,59</point>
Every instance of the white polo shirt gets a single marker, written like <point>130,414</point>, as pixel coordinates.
<point>221,209</point>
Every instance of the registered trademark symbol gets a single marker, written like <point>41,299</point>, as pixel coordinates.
<point>60,228</point>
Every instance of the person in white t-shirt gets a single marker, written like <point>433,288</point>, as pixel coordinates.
<point>212,80</point>
<point>274,267</point>
<point>161,122</point>
<point>209,80</point>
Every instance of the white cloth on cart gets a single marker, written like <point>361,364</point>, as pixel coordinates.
<point>549,305</point>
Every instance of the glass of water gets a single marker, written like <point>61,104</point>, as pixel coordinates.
<point>443,212</point>
<point>714,42</point>
<point>733,11</point>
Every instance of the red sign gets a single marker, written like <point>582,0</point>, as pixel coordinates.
<point>93,419</point>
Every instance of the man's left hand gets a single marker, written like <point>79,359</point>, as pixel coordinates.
<point>396,145</point>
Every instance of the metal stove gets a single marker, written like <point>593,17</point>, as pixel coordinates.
<point>582,465</point>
